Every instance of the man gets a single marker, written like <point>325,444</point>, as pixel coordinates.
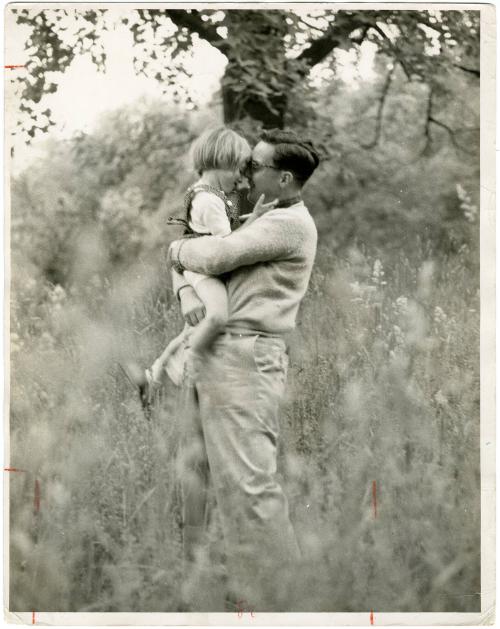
<point>240,382</point>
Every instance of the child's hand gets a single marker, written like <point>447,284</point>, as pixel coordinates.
<point>192,308</point>
<point>261,207</point>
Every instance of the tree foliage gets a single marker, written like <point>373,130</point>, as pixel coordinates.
<point>392,173</point>
<point>114,186</point>
<point>384,183</point>
<point>269,53</point>
<point>398,148</point>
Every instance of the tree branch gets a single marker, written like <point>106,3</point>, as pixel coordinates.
<point>428,116</point>
<point>431,120</point>
<point>420,20</point>
<point>394,50</point>
<point>311,26</point>
<point>191,20</point>
<point>337,33</point>
<point>470,70</point>
<point>451,133</point>
<point>380,109</point>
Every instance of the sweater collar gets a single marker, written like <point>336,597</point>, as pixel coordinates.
<point>288,202</point>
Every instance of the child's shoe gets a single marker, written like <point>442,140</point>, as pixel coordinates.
<point>140,379</point>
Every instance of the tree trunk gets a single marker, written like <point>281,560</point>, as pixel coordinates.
<point>255,83</point>
<point>271,114</point>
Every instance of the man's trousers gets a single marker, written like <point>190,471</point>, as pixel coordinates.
<point>230,429</point>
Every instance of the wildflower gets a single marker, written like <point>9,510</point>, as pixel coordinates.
<point>378,273</point>
<point>440,399</point>
<point>401,305</point>
<point>361,290</point>
<point>57,296</point>
<point>355,287</point>
<point>439,315</point>
<point>465,202</point>
<point>398,335</point>
<point>470,212</point>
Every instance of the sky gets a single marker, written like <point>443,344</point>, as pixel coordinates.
<point>84,93</point>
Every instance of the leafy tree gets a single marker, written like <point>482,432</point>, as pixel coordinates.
<point>393,175</point>
<point>269,53</point>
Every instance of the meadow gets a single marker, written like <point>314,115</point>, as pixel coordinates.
<point>379,454</point>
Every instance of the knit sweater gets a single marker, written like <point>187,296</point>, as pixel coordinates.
<point>270,263</point>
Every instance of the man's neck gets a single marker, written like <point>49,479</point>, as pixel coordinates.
<point>288,200</point>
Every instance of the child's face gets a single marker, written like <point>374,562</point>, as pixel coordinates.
<point>229,179</point>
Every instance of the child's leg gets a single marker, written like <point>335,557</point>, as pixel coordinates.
<point>156,369</point>
<point>213,294</point>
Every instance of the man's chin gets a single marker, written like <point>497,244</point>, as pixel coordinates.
<point>252,196</point>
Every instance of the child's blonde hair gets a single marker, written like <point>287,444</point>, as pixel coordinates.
<point>220,149</point>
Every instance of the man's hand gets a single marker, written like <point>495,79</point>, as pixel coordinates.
<point>192,307</point>
<point>261,207</point>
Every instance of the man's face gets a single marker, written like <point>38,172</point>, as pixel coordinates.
<point>264,178</point>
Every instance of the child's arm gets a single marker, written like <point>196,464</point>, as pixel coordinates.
<point>192,307</point>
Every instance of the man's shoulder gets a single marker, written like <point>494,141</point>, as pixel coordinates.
<point>295,217</point>
<point>292,226</point>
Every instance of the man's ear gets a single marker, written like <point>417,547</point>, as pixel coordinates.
<point>286,178</point>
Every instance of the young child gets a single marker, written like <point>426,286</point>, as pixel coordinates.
<point>219,156</point>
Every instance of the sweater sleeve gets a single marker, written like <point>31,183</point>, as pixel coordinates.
<point>272,236</point>
<point>208,214</point>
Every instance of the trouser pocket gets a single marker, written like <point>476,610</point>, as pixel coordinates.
<point>270,357</point>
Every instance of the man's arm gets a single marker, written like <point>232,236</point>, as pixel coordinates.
<point>273,236</point>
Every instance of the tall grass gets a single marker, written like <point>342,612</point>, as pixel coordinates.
<point>382,403</point>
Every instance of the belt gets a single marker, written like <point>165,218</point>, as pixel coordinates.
<point>241,332</point>
<point>244,333</point>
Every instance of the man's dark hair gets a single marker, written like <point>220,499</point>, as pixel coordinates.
<point>293,153</point>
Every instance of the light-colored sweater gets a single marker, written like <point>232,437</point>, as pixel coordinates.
<point>270,263</point>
